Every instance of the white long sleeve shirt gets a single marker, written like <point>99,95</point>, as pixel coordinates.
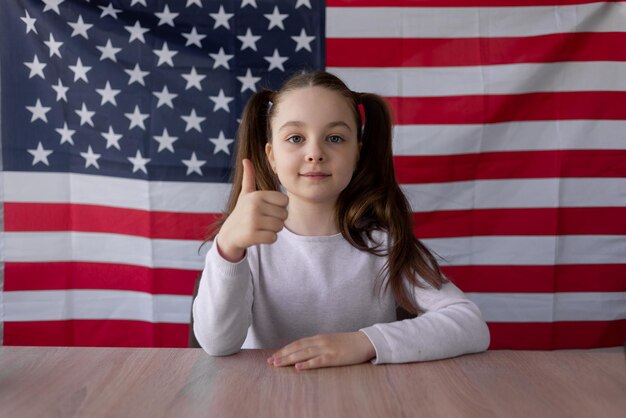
<point>307,285</point>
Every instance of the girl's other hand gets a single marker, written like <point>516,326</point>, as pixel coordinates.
<point>341,349</point>
<point>256,219</point>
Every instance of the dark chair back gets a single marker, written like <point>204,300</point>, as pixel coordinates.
<point>193,342</point>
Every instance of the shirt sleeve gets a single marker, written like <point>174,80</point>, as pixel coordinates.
<point>451,325</point>
<point>222,310</point>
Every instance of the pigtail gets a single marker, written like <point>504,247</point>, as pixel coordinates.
<point>252,136</point>
<point>374,201</point>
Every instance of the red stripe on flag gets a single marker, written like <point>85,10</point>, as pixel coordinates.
<point>96,333</point>
<point>539,279</point>
<point>77,275</point>
<point>94,218</point>
<point>449,52</point>
<point>455,3</point>
<point>472,109</point>
<point>508,279</point>
<point>510,165</point>
<point>449,223</point>
<point>516,221</point>
<point>557,335</point>
<point>118,333</point>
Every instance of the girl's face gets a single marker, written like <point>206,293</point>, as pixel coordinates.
<point>314,147</point>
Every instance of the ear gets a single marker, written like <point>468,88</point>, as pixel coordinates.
<point>269,152</point>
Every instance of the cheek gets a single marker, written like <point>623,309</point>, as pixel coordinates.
<point>282,162</point>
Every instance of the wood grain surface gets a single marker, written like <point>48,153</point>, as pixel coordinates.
<point>112,382</point>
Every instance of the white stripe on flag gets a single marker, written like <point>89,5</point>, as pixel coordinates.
<point>58,305</point>
<point>55,305</point>
<point>551,307</point>
<point>422,140</point>
<point>479,194</point>
<point>103,248</point>
<point>529,250</point>
<point>115,192</point>
<point>488,79</point>
<point>472,22</point>
<point>182,254</point>
<point>524,193</point>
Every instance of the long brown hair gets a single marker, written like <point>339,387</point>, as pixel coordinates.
<point>372,201</point>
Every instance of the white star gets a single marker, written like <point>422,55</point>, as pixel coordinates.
<point>193,38</point>
<point>165,55</point>
<point>40,155</point>
<point>109,11</point>
<point>136,75</point>
<point>166,17</point>
<point>303,41</point>
<point>113,139</point>
<point>248,81</point>
<point>61,91</point>
<point>139,163</point>
<point>80,28</point>
<point>137,118</point>
<point>193,165</point>
<point>80,71</point>
<point>30,22</point>
<point>36,68</point>
<point>196,2</point>
<point>108,94</point>
<point>38,111</point>
<point>193,79</point>
<point>136,32</point>
<point>85,115</point>
<point>221,59</point>
<point>306,3</point>
<point>54,46</point>
<point>221,18</point>
<point>109,52</point>
<point>193,121</point>
<point>276,61</point>
<point>248,40</point>
<point>165,97</point>
<point>52,5</point>
<point>248,3</point>
<point>66,134</point>
<point>221,143</point>
<point>221,101</point>
<point>276,19</point>
<point>165,141</point>
<point>142,2</point>
<point>90,158</point>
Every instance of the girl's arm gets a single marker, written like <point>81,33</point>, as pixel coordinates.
<point>222,310</point>
<point>451,326</point>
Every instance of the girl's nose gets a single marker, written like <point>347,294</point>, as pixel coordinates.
<point>315,153</point>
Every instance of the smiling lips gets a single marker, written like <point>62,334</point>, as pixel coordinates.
<point>315,175</point>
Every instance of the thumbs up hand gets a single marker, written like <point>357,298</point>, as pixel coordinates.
<point>257,218</point>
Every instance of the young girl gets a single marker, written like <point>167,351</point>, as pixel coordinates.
<point>321,270</point>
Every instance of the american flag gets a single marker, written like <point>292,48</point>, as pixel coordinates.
<point>118,120</point>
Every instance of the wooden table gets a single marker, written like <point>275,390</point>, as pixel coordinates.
<point>94,382</point>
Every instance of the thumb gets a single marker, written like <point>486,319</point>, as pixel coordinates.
<point>248,184</point>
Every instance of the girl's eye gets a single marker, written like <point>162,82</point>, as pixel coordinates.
<point>295,139</point>
<point>335,139</point>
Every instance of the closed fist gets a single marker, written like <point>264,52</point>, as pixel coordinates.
<point>257,218</point>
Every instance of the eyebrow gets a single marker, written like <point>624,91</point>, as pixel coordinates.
<point>329,125</point>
